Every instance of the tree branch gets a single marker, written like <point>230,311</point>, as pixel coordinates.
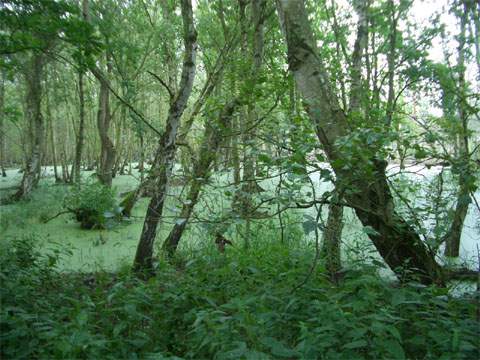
<point>164,84</point>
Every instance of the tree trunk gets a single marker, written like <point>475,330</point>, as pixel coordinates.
<point>31,175</point>
<point>65,173</point>
<point>2,128</point>
<point>212,140</point>
<point>333,232</point>
<point>141,165</point>
<point>476,35</point>
<point>165,154</point>
<point>118,162</point>
<point>358,50</point>
<point>168,12</point>
<point>81,131</point>
<point>171,64</point>
<point>214,78</point>
<point>363,177</point>
<point>66,176</point>
<point>248,115</point>
<point>332,236</point>
<point>107,153</point>
<point>53,142</point>
<point>454,234</point>
<point>235,153</point>
<point>206,156</point>
<point>391,64</point>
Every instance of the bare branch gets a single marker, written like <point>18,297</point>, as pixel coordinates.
<point>164,84</point>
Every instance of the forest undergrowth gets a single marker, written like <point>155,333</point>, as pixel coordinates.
<point>239,179</point>
<point>271,301</point>
<point>241,304</point>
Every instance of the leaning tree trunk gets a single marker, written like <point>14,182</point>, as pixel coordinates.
<point>31,175</point>
<point>363,177</point>
<point>81,130</point>
<point>165,154</point>
<point>206,156</point>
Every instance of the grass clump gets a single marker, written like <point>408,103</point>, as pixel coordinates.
<point>225,306</point>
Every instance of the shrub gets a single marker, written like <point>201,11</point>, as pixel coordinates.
<point>94,206</point>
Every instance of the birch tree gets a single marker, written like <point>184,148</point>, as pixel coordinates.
<point>166,148</point>
<point>363,173</point>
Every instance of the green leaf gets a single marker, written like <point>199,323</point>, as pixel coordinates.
<point>395,349</point>
<point>395,333</point>
<point>277,348</point>
<point>355,344</point>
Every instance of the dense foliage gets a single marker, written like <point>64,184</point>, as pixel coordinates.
<point>237,305</point>
<point>300,179</point>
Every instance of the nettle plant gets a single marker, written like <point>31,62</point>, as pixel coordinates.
<point>94,206</point>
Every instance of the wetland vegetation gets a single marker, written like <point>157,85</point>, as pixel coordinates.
<point>239,179</point>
